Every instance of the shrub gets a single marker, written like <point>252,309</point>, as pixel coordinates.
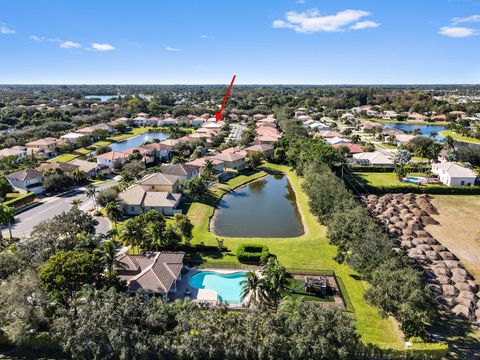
<point>252,253</point>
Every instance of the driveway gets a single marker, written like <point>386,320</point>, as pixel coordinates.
<point>55,205</point>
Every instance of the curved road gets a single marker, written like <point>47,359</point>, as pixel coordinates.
<point>55,205</point>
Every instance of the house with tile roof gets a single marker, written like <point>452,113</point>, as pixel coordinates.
<point>153,273</point>
<point>110,158</point>
<point>232,161</point>
<point>25,181</point>
<point>452,174</point>
<point>140,198</point>
<point>183,171</point>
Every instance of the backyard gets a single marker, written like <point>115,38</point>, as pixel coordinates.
<point>308,253</point>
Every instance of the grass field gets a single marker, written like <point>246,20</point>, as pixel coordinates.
<point>83,151</point>
<point>382,178</point>
<point>459,137</point>
<point>64,158</point>
<point>459,228</point>
<point>309,252</point>
<point>442,123</point>
<point>135,131</point>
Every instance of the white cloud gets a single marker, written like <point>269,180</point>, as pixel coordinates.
<point>459,20</point>
<point>457,32</point>
<point>70,45</point>
<point>312,21</point>
<point>169,48</point>
<point>301,1</point>
<point>364,25</point>
<point>102,47</point>
<point>37,38</point>
<point>207,37</point>
<point>5,30</point>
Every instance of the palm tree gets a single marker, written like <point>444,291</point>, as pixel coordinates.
<point>114,212</point>
<point>449,143</point>
<point>76,202</point>
<point>208,170</point>
<point>274,282</point>
<point>88,243</point>
<point>7,218</point>
<point>78,176</point>
<point>92,194</point>
<point>109,258</point>
<point>130,234</point>
<point>251,286</point>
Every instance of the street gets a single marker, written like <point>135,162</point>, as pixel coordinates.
<point>55,205</point>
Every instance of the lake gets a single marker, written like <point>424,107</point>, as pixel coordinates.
<point>425,130</point>
<point>137,141</point>
<point>101,97</point>
<point>263,208</point>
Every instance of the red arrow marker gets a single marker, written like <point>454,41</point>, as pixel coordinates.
<point>218,115</point>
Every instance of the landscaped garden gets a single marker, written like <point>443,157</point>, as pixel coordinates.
<point>309,253</point>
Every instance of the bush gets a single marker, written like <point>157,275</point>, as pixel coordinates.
<point>252,253</point>
<point>21,200</point>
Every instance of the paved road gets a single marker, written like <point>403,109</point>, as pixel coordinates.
<point>55,205</point>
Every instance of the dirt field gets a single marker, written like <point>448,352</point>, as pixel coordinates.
<point>459,228</point>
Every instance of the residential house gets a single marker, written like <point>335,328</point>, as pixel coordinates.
<point>352,148</point>
<point>416,117</point>
<point>232,161</point>
<point>198,121</point>
<point>46,146</point>
<point>200,163</point>
<point>327,134</point>
<point>72,137</point>
<point>64,167</point>
<point>25,181</point>
<point>140,198</point>
<point>110,158</point>
<point>336,140</point>
<point>17,151</point>
<point>452,174</point>
<point>168,122</point>
<point>183,171</point>
<point>89,130</point>
<point>266,149</point>
<point>91,169</point>
<point>162,182</point>
<point>162,151</point>
<point>374,158</point>
<point>153,273</point>
<point>389,114</point>
<point>148,156</point>
<point>403,139</point>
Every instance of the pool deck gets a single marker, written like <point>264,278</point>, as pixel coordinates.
<point>205,296</point>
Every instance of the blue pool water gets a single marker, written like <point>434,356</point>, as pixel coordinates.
<point>413,180</point>
<point>227,286</point>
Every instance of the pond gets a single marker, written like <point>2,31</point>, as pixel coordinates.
<point>137,141</point>
<point>265,208</point>
<point>101,97</point>
<point>425,130</point>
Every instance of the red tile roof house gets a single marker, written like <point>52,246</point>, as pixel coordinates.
<point>352,148</point>
<point>154,273</point>
<point>110,158</point>
<point>90,129</point>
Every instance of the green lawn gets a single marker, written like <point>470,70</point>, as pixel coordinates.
<point>64,158</point>
<point>459,137</point>
<point>135,131</point>
<point>83,151</point>
<point>100,143</point>
<point>309,252</point>
<point>382,178</point>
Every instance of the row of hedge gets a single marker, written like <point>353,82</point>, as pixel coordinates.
<point>20,201</point>
<point>252,253</point>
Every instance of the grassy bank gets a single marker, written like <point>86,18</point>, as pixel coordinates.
<point>459,137</point>
<point>440,123</point>
<point>309,252</point>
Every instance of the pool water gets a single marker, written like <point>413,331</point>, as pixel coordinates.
<point>227,286</point>
<point>413,180</point>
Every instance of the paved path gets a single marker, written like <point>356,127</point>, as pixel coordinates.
<point>55,205</point>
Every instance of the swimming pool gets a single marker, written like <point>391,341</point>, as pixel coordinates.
<point>227,286</point>
<point>413,180</point>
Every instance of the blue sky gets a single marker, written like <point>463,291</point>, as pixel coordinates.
<point>262,42</point>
